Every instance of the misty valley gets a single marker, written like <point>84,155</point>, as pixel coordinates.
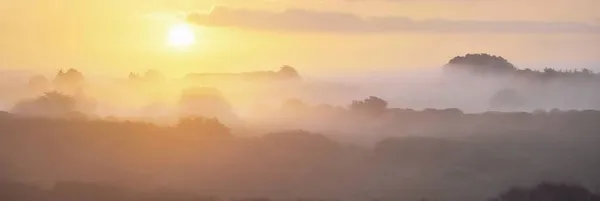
<point>477,129</point>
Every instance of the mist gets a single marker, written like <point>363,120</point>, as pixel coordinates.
<point>437,88</point>
<point>468,130</point>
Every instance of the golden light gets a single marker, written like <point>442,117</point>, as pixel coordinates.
<point>180,36</point>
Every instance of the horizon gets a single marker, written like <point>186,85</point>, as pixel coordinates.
<point>299,100</point>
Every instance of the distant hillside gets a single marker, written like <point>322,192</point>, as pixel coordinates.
<point>486,64</point>
<point>284,73</point>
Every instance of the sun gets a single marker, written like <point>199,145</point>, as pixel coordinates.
<point>181,35</point>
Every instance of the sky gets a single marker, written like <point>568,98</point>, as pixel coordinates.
<point>315,36</point>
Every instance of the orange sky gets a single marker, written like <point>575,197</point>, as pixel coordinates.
<point>118,36</point>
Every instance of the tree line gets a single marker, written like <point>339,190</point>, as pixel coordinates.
<point>487,64</point>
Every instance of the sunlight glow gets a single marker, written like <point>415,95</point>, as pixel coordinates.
<point>180,36</point>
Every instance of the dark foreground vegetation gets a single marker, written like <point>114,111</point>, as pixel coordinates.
<point>72,191</point>
<point>495,151</point>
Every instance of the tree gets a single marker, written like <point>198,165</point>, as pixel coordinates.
<point>133,76</point>
<point>70,82</point>
<point>206,102</point>
<point>210,128</point>
<point>481,64</point>
<point>371,105</point>
<point>154,76</point>
<point>587,72</point>
<point>51,104</point>
<point>550,72</point>
<point>288,72</point>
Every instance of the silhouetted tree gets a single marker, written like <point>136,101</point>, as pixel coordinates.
<point>209,128</point>
<point>70,82</point>
<point>206,102</point>
<point>481,63</point>
<point>587,72</point>
<point>371,105</point>
<point>133,76</point>
<point>51,104</point>
<point>496,65</point>
<point>288,72</point>
<point>150,76</point>
<point>550,72</point>
<point>154,76</point>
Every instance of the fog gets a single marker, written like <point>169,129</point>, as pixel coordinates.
<point>140,93</point>
<point>468,130</point>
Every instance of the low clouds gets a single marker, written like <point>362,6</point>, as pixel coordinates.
<point>298,20</point>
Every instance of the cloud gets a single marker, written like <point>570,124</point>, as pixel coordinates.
<point>299,20</point>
